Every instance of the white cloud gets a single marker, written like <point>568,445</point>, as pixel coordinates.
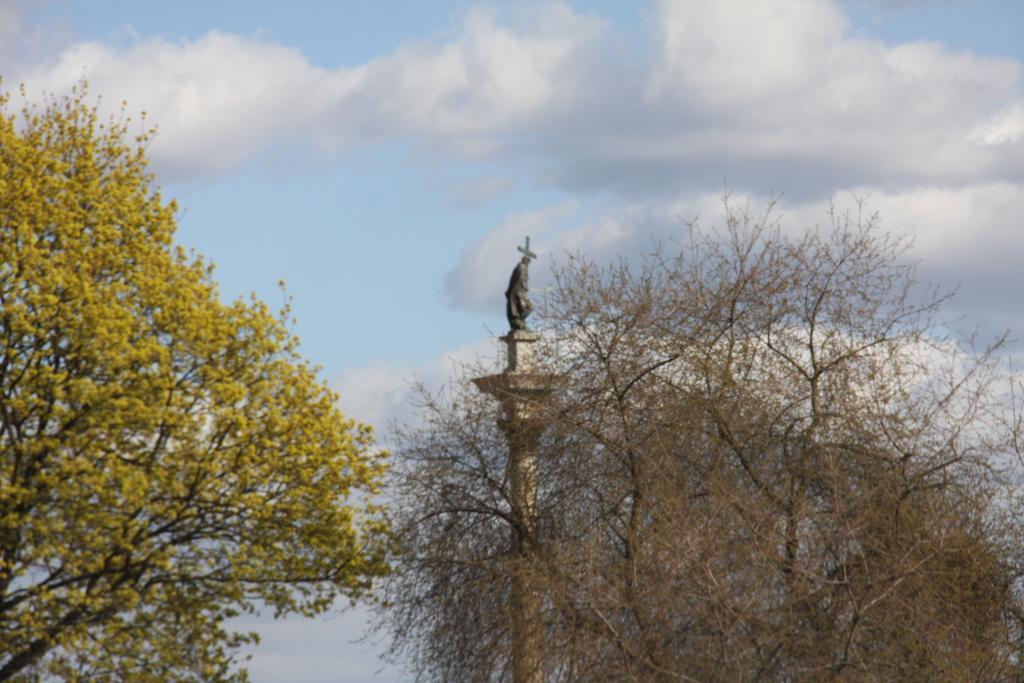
<point>383,393</point>
<point>730,52</point>
<point>971,235</point>
<point>217,101</point>
<point>489,80</point>
<point>1006,127</point>
<point>480,278</point>
<point>768,95</point>
<point>780,95</point>
<point>323,649</point>
<point>224,99</point>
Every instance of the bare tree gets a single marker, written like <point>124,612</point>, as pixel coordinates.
<point>770,461</point>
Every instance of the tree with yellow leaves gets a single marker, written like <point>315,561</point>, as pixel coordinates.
<point>167,461</point>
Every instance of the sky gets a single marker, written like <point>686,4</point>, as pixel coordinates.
<point>385,158</point>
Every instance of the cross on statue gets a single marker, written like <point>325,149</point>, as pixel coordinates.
<point>526,249</point>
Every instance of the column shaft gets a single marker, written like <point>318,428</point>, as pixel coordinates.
<point>526,605</point>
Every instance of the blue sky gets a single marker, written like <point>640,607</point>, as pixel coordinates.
<point>384,158</point>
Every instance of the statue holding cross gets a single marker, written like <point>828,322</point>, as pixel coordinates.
<point>517,301</point>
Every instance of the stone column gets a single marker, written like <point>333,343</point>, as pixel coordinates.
<point>522,390</point>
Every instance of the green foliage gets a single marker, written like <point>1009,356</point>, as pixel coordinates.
<point>167,461</point>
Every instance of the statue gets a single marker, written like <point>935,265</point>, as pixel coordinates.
<point>517,302</point>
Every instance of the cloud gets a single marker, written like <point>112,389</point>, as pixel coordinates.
<point>315,650</point>
<point>218,101</point>
<point>383,394</point>
<point>225,99</point>
<point>906,4</point>
<point>971,236</point>
<point>728,53</point>
<point>480,278</point>
<point>489,81</point>
<point>624,230</point>
<point>770,95</point>
<point>778,96</point>
<point>1006,127</point>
